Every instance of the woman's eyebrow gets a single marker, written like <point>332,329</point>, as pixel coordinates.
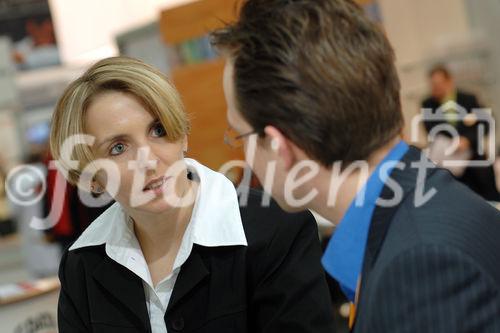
<point>110,139</point>
<point>124,136</point>
<point>153,122</point>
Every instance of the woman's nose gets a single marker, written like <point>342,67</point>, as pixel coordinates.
<point>146,159</point>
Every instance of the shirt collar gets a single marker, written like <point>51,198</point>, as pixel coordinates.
<point>215,221</point>
<point>345,252</point>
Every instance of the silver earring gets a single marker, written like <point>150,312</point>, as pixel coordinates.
<point>96,190</point>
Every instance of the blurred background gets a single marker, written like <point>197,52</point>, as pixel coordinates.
<point>44,44</point>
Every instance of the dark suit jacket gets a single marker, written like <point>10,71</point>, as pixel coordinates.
<point>465,100</point>
<point>435,268</point>
<point>480,179</point>
<point>276,284</point>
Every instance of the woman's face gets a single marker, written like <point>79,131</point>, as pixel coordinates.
<point>124,130</point>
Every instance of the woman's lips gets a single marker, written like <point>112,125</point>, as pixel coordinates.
<point>155,184</point>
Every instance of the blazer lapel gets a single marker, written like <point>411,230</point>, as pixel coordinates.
<point>125,287</point>
<point>192,273</point>
<point>382,216</point>
<point>406,179</point>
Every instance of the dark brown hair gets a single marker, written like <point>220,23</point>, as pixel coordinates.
<point>320,71</point>
<point>440,68</point>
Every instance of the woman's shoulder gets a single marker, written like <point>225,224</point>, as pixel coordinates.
<point>77,265</point>
<point>88,250</point>
<point>101,229</point>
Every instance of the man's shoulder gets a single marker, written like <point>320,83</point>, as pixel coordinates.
<point>465,94</point>
<point>430,102</point>
<point>441,199</point>
<point>466,99</point>
<point>453,218</point>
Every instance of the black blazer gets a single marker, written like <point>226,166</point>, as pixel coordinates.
<point>469,102</point>
<point>435,268</point>
<point>276,284</point>
<point>480,179</point>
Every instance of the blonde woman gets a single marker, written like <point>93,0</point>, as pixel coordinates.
<point>175,252</point>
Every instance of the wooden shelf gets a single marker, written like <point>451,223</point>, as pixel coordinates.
<point>196,19</point>
<point>9,241</point>
<point>201,90</point>
<point>200,85</point>
<point>364,2</point>
<point>32,289</point>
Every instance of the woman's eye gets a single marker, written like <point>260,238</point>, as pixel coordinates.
<point>117,149</point>
<point>158,130</point>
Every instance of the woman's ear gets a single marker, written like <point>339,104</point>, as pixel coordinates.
<point>90,183</point>
<point>185,144</point>
<point>96,188</point>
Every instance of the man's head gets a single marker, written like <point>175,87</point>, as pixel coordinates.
<point>317,77</point>
<point>442,84</point>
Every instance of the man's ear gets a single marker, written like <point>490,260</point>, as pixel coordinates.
<point>283,147</point>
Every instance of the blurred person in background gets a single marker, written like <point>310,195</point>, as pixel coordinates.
<point>157,265</point>
<point>75,216</point>
<point>496,166</point>
<point>26,186</point>
<point>38,48</point>
<point>443,90</point>
<point>7,223</point>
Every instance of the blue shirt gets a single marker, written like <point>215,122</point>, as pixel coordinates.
<point>343,258</point>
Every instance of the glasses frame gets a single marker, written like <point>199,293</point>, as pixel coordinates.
<point>236,141</point>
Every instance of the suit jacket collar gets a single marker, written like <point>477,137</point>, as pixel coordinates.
<point>344,255</point>
<point>192,273</point>
<point>127,287</point>
<point>216,219</point>
<point>407,178</point>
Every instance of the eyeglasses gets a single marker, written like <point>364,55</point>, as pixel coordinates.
<point>233,139</point>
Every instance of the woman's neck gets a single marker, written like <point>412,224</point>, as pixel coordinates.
<point>160,235</point>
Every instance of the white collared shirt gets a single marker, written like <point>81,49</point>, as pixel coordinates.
<point>215,221</point>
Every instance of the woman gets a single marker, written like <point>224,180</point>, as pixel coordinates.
<point>175,252</point>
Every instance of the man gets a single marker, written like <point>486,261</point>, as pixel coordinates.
<point>313,86</point>
<point>443,90</point>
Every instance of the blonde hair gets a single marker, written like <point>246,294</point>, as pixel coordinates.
<point>123,74</point>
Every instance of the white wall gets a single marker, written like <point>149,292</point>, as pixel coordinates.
<point>86,28</point>
<point>418,29</point>
<point>484,20</point>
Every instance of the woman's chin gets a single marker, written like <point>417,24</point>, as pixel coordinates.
<point>163,203</point>
<point>156,207</point>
